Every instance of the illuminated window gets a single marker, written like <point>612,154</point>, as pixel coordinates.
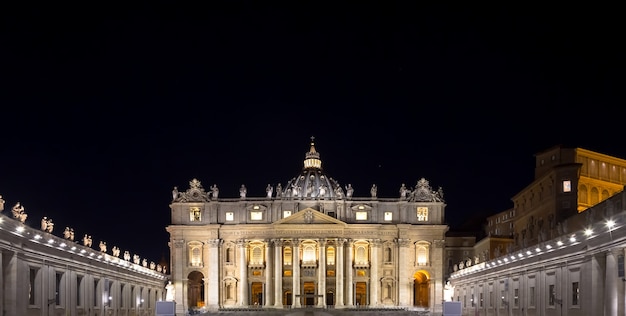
<point>422,250</point>
<point>330,256</point>
<point>422,213</point>
<point>286,214</point>
<point>195,254</point>
<point>361,252</point>
<point>567,186</point>
<point>287,256</point>
<point>256,216</point>
<point>308,253</point>
<point>230,216</point>
<point>388,216</point>
<point>256,257</point>
<point>361,216</point>
<point>194,214</point>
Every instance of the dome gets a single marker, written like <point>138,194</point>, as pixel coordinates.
<point>312,183</point>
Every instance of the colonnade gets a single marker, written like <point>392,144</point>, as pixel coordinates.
<point>275,279</point>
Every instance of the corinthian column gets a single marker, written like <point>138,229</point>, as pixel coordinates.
<point>349,270</point>
<point>243,273</point>
<point>295,254</point>
<point>404,281</point>
<point>213,283</point>
<point>278,273</point>
<point>374,284</point>
<point>339,270</point>
<point>268,273</point>
<point>321,274</point>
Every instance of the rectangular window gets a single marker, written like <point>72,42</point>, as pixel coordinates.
<point>481,299</point>
<point>575,293</point>
<point>286,214</point>
<point>551,295</point>
<point>230,216</point>
<point>32,288</point>
<point>531,296</point>
<point>256,216</point>
<point>194,214</point>
<point>388,216</point>
<point>516,297</point>
<point>361,216</point>
<point>79,296</point>
<point>422,213</point>
<point>57,288</point>
<point>567,186</point>
<point>490,298</point>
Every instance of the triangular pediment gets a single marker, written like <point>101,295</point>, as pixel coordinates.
<point>309,216</point>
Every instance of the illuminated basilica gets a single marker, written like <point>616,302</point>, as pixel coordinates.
<point>309,243</point>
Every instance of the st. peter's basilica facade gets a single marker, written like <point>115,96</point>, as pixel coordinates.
<point>308,243</point>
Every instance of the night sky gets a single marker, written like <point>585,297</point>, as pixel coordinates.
<point>105,108</point>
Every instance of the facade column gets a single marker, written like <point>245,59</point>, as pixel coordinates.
<point>349,270</point>
<point>243,273</point>
<point>374,282</point>
<point>213,282</point>
<point>180,281</point>
<point>339,299</point>
<point>404,279</point>
<point>278,273</point>
<point>321,274</point>
<point>610,291</point>
<point>268,274</point>
<point>295,254</point>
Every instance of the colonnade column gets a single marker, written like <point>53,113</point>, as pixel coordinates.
<point>213,284</point>
<point>349,285</point>
<point>404,280</point>
<point>374,284</point>
<point>295,254</point>
<point>321,274</point>
<point>267,296</point>
<point>278,273</point>
<point>339,269</point>
<point>243,273</point>
<point>610,290</point>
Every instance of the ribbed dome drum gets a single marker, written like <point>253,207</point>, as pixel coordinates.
<point>312,183</point>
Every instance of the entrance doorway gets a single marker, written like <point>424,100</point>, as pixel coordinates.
<point>360,293</point>
<point>309,294</point>
<point>256,289</point>
<point>287,299</point>
<point>330,298</point>
<point>195,289</point>
<point>421,289</point>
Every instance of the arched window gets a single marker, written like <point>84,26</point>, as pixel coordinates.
<point>361,254</point>
<point>422,250</point>
<point>287,256</point>
<point>330,256</point>
<point>195,254</point>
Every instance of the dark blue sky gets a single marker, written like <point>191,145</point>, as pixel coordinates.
<point>106,108</point>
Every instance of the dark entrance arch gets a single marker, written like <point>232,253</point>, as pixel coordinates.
<point>195,289</point>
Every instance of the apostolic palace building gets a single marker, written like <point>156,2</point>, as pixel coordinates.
<point>308,243</point>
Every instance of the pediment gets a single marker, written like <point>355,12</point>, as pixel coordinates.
<point>309,216</point>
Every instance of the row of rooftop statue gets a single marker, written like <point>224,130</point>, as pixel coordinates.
<point>421,192</point>
<point>48,226</point>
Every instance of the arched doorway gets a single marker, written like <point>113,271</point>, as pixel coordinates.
<point>421,289</point>
<point>195,289</point>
